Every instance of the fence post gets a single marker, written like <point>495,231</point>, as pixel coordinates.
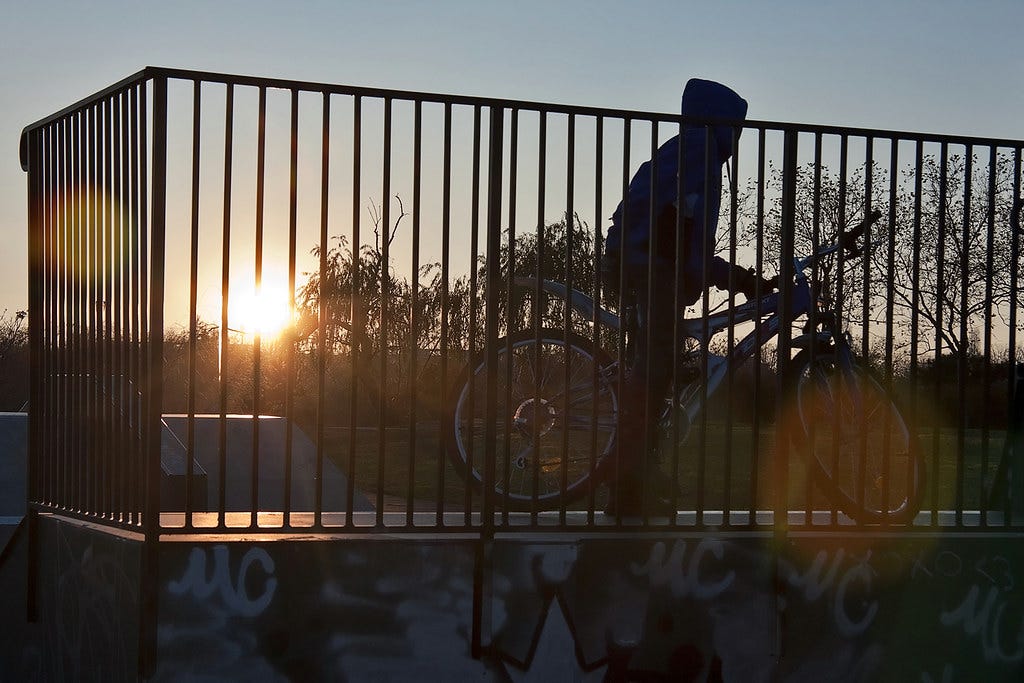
<point>481,571</point>
<point>780,513</point>
<point>786,249</point>
<point>31,157</point>
<point>149,589</point>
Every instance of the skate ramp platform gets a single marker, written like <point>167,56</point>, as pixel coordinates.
<point>266,444</point>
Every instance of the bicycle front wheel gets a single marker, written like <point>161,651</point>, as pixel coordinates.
<point>858,444</point>
<point>554,418</point>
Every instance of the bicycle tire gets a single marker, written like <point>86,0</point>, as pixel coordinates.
<point>875,471</point>
<point>531,418</point>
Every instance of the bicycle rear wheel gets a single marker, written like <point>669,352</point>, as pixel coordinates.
<point>554,421</point>
<point>857,443</point>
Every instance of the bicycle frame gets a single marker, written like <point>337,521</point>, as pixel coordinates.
<point>702,330</point>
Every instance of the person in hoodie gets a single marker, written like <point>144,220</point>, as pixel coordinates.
<point>640,249</point>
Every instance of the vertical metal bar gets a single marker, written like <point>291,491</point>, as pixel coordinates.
<point>293,203</point>
<point>73,202</point>
<point>61,183</point>
<point>323,312</point>
<point>32,144</point>
<point>840,303</point>
<point>510,307</point>
<point>66,449</point>
<point>809,491</point>
<point>257,380</point>
<point>493,259</point>
<point>59,467</point>
<point>74,382</point>
<point>677,334</point>
<point>786,250</point>
<point>702,444</point>
<point>93,223</point>
<point>731,333</point>
<point>622,350</point>
<point>48,178</point>
<point>385,296</point>
<point>889,313</point>
<point>647,407</point>
<point>414,312</point>
<point>93,417</point>
<point>56,236</point>
<point>70,383</point>
<point>193,299</point>
<point>963,369</point>
<point>142,471</point>
<point>990,247</point>
<point>225,291</point>
<point>940,259</point>
<point>446,203</point>
<point>52,182</point>
<point>65,454</point>
<point>474,249</point>
<point>755,455</point>
<point>865,315</point>
<point>1014,479</point>
<point>915,290</point>
<point>358,323</point>
<point>114,310</point>
<point>154,387</point>
<point>570,248</point>
<point>127,190</point>
<point>103,306</point>
<point>539,312</point>
<point>596,378</point>
<point>135,98</point>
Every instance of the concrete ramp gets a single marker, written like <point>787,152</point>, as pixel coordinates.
<point>238,462</point>
<point>239,435</point>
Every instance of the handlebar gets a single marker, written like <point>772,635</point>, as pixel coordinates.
<point>847,241</point>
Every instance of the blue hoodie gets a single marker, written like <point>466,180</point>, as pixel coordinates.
<point>701,99</point>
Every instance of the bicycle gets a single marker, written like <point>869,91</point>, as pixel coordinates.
<point>557,405</point>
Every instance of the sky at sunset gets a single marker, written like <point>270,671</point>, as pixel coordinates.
<point>917,65</point>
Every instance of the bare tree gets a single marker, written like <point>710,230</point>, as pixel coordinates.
<point>953,250</point>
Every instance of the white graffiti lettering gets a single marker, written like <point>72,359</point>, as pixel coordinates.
<point>812,582</point>
<point>686,578</point>
<point>846,624</point>
<point>235,593</point>
<point>984,622</point>
<point>817,580</point>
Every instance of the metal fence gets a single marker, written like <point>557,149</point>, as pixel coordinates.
<point>208,249</point>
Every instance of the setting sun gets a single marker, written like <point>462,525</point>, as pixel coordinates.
<point>266,314</point>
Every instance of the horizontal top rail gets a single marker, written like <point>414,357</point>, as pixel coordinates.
<point>546,107</point>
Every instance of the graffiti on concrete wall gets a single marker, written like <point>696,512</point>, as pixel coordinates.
<point>699,608</point>
<point>317,611</point>
<point>704,609</point>
<point>89,597</point>
<point>209,575</point>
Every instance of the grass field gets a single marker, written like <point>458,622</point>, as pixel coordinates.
<point>722,468</point>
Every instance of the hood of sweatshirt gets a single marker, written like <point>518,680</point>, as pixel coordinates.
<point>708,99</point>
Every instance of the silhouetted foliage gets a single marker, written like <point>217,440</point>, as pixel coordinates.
<point>13,361</point>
